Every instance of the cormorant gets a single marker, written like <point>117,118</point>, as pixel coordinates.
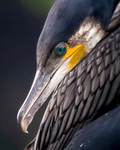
<point>78,56</point>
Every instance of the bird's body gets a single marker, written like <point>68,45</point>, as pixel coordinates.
<point>84,91</point>
<point>83,95</point>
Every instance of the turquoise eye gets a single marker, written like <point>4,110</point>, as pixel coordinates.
<point>60,49</point>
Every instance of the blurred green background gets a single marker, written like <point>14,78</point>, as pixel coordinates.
<point>21,22</point>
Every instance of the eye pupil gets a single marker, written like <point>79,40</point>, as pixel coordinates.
<point>60,49</point>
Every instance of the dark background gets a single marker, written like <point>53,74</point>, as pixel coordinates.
<point>21,22</point>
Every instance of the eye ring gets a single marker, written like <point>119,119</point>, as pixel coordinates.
<point>60,49</point>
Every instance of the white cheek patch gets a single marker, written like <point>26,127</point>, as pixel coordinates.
<point>89,34</point>
<point>60,73</point>
<point>56,79</point>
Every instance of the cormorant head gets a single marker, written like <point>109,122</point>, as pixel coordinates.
<point>71,30</point>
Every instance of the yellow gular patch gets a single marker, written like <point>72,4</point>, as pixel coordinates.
<point>75,54</point>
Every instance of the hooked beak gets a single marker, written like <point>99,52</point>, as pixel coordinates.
<point>36,97</point>
<point>43,85</point>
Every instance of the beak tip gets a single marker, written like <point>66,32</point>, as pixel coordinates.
<point>25,131</point>
<point>21,121</point>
